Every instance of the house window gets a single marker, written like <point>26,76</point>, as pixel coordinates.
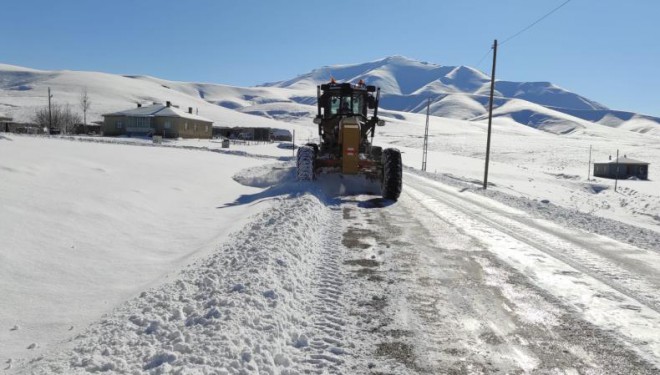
<point>206,128</point>
<point>142,122</point>
<point>195,127</point>
<point>119,125</point>
<point>185,126</point>
<point>168,125</point>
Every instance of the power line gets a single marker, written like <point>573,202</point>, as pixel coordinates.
<point>535,22</point>
<point>483,58</point>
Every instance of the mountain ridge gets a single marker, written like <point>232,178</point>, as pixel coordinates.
<point>472,87</point>
<point>459,92</point>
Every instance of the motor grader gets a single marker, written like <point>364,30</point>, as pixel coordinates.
<point>346,134</point>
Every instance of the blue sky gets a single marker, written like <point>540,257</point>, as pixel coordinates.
<point>606,50</point>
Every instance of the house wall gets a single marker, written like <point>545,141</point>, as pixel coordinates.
<point>169,127</point>
<point>174,127</point>
<point>111,126</point>
<point>638,170</point>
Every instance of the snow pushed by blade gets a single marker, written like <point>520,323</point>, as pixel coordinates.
<point>242,310</point>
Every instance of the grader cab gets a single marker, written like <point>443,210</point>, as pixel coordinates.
<point>346,133</point>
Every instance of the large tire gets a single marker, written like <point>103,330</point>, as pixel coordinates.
<point>305,163</point>
<point>392,174</point>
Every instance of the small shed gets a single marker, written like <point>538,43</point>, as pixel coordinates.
<point>87,129</point>
<point>282,135</point>
<point>4,123</point>
<point>622,168</point>
<point>21,128</point>
<point>243,133</point>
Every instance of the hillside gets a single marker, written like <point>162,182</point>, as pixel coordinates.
<point>22,90</point>
<point>457,92</point>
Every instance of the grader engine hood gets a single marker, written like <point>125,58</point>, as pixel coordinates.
<point>349,138</point>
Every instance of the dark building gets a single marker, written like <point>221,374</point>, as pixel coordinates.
<point>8,126</point>
<point>622,168</point>
<point>90,129</point>
<point>4,123</point>
<point>247,134</point>
<point>282,135</point>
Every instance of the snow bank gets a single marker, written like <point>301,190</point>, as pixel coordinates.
<point>243,309</point>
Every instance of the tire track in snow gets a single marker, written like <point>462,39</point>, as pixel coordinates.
<point>603,301</point>
<point>431,298</point>
<point>458,322</point>
<point>328,343</point>
<point>560,246</point>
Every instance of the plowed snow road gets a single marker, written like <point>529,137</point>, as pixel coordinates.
<point>451,282</point>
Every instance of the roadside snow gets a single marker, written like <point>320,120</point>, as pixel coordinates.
<point>566,217</point>
<point>534,164</point>
<point>245,309</point>
<point>85,226</point>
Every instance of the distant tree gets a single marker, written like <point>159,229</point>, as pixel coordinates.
<point>64,118</point>
<point>85,104</point>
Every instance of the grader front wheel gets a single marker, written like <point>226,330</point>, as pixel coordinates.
<point>392,174</point>
<point>305,163</point>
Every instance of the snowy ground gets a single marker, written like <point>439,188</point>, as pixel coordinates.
<point>442,281</point>
<point>529,163</point>
<point>272,276</point>
<point>86,226</point>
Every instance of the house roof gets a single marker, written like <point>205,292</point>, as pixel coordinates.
<point>623,160</point>
<point>158,110</point>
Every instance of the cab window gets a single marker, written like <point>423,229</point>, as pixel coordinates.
<point>345,105</point>
<point>334,105</point>
<point>357,104</point>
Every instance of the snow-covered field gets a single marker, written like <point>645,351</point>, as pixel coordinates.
<point>535,164</point>
<point>86,226</point>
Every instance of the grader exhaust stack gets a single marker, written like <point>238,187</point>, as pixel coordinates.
<point>344,131</point>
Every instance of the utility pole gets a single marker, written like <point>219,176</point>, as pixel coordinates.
<point>589,169</point>
<point>616,177</point>
<point>50,114</point>
<point>490,113</point>
<point>293,147</point>
<point>426,135</point>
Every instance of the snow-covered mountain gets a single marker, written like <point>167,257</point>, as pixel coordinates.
<point>462,92</point>
<point>458,92</point>
<point>402,79</point>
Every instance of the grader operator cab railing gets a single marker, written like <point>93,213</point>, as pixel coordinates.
<point>346,133</point>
